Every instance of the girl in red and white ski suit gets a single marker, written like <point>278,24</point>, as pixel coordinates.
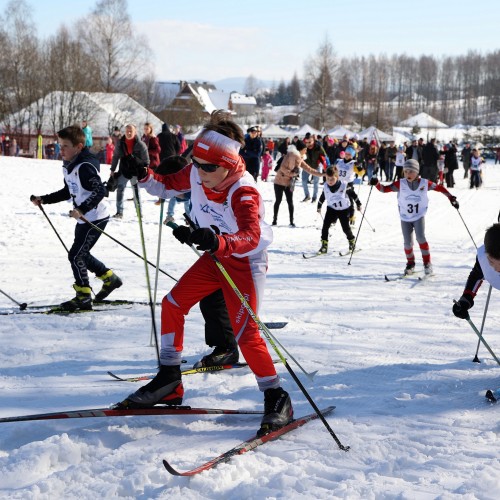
<point>234,211</point>
<point>413,201</point>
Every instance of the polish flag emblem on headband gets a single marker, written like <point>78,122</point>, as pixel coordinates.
<point>217,148</point>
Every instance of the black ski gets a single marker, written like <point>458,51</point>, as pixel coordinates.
<point>343,254</point>
<point>189,371</point>
<point>312,255</point>
<point>127,412</point>
<point>493,395</point>
<point>248,445</point>
<point>63,312</point>
<point>403,276</point>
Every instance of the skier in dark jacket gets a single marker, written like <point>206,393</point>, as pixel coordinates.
<point>82,185</point>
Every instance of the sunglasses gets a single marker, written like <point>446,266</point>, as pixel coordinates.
<point>206,167</point>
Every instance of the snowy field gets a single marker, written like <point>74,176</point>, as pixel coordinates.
<point>391,356</point>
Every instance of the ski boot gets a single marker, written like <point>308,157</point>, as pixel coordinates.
<point>110,282</point>
<point>409,269</point>
<point>219,356</point>
<point>352,245</point>
<point>165,389</point>
<point>82,300</point>
<point>278,411</point>
<point>324,246</point>
<point>428,269</point>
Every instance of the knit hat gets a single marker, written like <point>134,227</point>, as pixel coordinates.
<point>350,151</point>
<point>217,148</point>
<point>412,165</point>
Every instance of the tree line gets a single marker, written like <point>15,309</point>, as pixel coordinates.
<point>102,53</point>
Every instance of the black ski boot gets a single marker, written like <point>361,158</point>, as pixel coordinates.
<point>110,282</point>
<point>82,300</point>
<point>324,246</point>
<point>165,389</point>
<point>410,268</point>
<point>278,411</point>
<point>219,356</point>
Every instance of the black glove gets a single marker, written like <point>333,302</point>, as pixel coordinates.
<point>373,181</point>
<point>461,308</point>
<point>205,238</point>
<point>454,202</point>
<point>112,183</point>
<point>183,234</point>
<point>131,166</point>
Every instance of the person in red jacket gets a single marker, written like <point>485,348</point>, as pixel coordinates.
<point>228,212</point>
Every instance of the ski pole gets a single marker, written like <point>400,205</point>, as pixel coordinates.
<point>162,204</point>
<point>476,359</point>
<point>137,202</point>
<point>368,222</point>
<point>51,225</point>
<point>260,324</point>
<point>481,339</point>
<point>467,228</point>
<point>360,224</point>
<point>22,306</point>
<point>97,228</point>
<point>269,338</point>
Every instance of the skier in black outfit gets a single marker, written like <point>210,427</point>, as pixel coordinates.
<point>339,198</point>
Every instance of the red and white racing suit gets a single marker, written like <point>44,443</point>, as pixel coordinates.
<point>238,220</point>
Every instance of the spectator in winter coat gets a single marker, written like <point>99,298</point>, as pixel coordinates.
<point>450,164</point>
<point>169,143</point>
<point>116,136</point>
<point>316,159</point>
<point>466,155</point>
<point>252,151</point>
<point>153,145</point>
<point>284,180</point>
<point>180,137</point>
<point>129,145</point>
<point>414,152</point>
<point>430,157</point>
<point>282,148</point>
<point>109,149</point>
<point>88,134</point>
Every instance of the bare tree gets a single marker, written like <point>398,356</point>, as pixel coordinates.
<point>107,36</point>
<point>320,71</point>
<point>251,85</point>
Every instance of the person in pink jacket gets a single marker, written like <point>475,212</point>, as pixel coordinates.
<point>228,212</point>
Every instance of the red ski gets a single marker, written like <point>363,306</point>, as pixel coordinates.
<point>248,445</point>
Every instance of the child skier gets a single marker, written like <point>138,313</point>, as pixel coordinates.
<point>476,162</point>
<point>347,172</point>
<point>339,199</point>
<point>412,202</point>
<point>83,185</point>
<point>229,213</point>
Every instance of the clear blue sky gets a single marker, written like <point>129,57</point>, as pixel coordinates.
<point>271,39</point>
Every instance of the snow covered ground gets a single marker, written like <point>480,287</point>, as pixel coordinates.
<point>391,356</point>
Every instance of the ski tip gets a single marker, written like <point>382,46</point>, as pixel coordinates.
<point>311,375</point>
<point>386,278</point>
